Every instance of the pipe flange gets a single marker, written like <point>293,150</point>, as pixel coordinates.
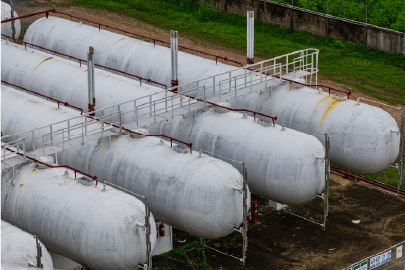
<point>44,159</point>
<point>225,104</point>
<point>339,97</point>
<point>142,132</point>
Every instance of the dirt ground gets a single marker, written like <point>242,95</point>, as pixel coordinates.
<point>281,240</point>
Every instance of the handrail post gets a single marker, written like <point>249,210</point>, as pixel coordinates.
<point>205,100</point>
<point>166,100</point>
<point>102,127</point>
<point>68,130</point>
<point>63,138</point>
<point>43,144</point>
<point>119,119</point>
<point>135,110</point>
<point>85,122</point>
<point>230,81</point>
<point>154,110</point>
<point>24,150</point>
<point>83,133</point>
<point>50,128</point>
<point>219,95</point>
<point>235,88</point>
<point>150,105</point>
<point>33,141</point>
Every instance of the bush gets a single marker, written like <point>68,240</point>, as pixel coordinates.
<point>384,13</point>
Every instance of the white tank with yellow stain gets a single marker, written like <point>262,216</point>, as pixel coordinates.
<point>363,139</point>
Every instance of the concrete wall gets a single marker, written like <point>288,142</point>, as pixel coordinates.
<point>299,19</point>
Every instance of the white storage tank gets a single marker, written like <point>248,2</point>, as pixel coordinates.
<point>363,139</point>
<point>198,195</point>
<point>18,249</point>
<point>6,27</point>
<point>120,52</point>
<point>98,229</point>
<point>66,81</point>
<point>283,165</point>
<point>23,112</point>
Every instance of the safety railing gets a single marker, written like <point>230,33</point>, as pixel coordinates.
<point>80,61</point>
<point>78,127</point>
<point>154,40</point>
<point>10,146</point>
<point>66,104</point>
<point>15,150</point>
<point>214,87</point>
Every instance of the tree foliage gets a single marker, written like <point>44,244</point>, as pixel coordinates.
<point>384,13</point>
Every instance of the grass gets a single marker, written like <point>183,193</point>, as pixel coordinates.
<point>369,71</point>
<point>389,176</point>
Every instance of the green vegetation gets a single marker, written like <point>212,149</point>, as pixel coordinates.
<point>181,255</point>
<point>389,176</point>
<point>384,13</point>
<point>370,71</point>
<point>184,252</point>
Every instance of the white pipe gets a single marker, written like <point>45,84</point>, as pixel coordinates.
<point>90,76</point>
<point>252,34</point>
<point>248,34</point>
<point>176,50</point>
<point>172,53</point>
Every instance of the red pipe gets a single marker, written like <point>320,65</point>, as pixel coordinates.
<point>401,192</point>
<point>311,85</point>
<point>55,100</point>
<point>28,15</point>
<point>52,166</point>
<point>81,60</point>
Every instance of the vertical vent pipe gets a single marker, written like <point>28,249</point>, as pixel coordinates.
<point>90,78</point>
<point>174,49</point>
<point>250,36</point>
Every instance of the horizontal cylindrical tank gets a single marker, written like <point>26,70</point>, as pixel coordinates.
<point>18,249</point>
<point>6,27</point>
<point>196,195</point>
<point>283,165</point>
<point>120,52</point>
<point>96,228</point>
<point>23,112</point>
<point>363,139</point>
<point>66,81</point>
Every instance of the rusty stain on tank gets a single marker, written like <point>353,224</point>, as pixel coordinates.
<point>32,172</point>
<point>118,41</point>
<point>331,104</point>
<point>43,62</point>
<point>317,104</point>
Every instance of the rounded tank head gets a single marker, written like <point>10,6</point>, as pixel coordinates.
<point>18,249</point>
<point>364,139</point>
<point>6,28</point>
<point>100,229</point>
